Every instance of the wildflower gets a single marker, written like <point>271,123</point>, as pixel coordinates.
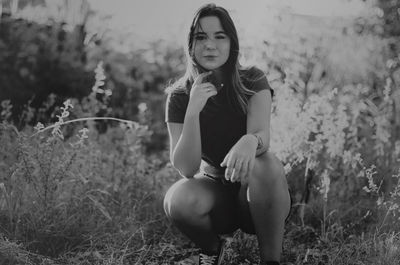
<point>372,187</point>
<point>142,107</point>
<point>358,158</point>
<point>130,125</point>
<point>287,168</point>
<point>39,127</point>
<point>83,134</point>
<point>67,104</point>
<point>333,93</point>
<point>99,77</point>
<point>6,107</point>
<point>56,132</point>
<point>325,185</point>
<point>379,201</point>
<point>353,160</point>
<point>387,89</point>
<point>397,148</point>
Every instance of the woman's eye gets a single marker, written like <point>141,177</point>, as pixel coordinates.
<point>220,37</point>
<point>199,37</point>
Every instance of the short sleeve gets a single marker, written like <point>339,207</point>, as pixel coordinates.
<point>259,81</point>
<point>175,107</point>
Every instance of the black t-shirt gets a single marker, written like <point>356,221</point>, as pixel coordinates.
<point>220,125</point>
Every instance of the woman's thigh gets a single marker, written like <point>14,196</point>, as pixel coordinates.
<point>205,195</point>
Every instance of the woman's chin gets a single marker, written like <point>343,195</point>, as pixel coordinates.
<point>211,67</point>
<point>207,68</point>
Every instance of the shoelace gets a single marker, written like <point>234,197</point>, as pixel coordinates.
<point>207,260</point>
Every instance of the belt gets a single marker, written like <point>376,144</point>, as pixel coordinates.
<point>211,170</point>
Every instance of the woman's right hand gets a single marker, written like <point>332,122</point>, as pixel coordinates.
<point>200,93</point>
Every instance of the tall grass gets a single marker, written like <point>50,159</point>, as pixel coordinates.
<point>68,192</point>
<point>72,195</point>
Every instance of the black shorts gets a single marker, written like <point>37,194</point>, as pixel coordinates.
<point>245,222</point>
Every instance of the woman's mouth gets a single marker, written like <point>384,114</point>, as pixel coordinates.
<point>210,57</point>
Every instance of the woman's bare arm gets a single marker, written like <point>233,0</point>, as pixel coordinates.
<point>185,145</point>
<point>185,138</point>
<point>258,120</point>
<point>240,159</point>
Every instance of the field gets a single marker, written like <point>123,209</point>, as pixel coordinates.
<point>84,160</point>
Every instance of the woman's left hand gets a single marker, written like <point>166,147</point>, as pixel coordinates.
<point>239,161</point>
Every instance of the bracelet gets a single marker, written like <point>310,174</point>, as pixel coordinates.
<point>260,143</point>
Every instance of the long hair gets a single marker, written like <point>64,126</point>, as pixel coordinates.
<point>237,93</point>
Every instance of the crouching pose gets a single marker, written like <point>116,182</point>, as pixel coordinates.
<point>218,118</point>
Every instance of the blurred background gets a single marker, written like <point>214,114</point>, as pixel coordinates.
<point>335,67</point>
<point>53,47</point>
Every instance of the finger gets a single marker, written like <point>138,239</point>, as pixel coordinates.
<point>205,86</point>
<point>244,180</point>
<point>208,86</point>
<point>237,169</point>
<point>225,161</point>
<point>200,77</point>
<point>228,173</point>
<point>211,92</point>
<point>251,167</point>
<point>229,169</point>
<point>233,175</point>
<point>244,170</point>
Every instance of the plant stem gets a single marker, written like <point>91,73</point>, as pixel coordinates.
<point>85,119</point>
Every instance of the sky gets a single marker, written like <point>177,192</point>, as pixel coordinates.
<point>163,18</point>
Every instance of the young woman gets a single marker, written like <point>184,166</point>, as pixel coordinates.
<point>218,118</point>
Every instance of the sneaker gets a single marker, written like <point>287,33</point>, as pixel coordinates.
<point>205,259</point>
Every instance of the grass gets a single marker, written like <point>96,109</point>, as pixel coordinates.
<point>70,195</point>
<point>100,202</point>
<point>301,246</point>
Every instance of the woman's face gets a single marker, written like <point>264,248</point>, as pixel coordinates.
<point>211,45</point>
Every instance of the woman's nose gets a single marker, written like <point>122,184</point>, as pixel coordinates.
<point>210,44</point>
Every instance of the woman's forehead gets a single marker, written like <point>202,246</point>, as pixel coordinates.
<point>209,24</point>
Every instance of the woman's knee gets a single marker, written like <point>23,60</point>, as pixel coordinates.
<point>186,198</point>
<point>268,170</point>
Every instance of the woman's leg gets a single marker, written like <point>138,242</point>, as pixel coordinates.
<point>264,205</point>
<point>202,208</point>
